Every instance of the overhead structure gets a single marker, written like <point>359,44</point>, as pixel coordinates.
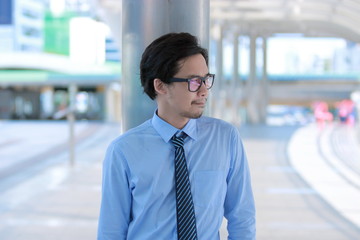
<point>261,19</point>
<point>256,19</point>
<point>315,18</point>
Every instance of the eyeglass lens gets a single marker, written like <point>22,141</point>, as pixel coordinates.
<point>195,83</point>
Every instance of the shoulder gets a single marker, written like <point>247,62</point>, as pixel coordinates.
<point>214,128</point>
<point>216,124</point>
<point>121,149</point>
<point>133,135</point>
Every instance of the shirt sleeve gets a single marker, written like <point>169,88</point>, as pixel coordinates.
<point>239,202</point>
<point>115,206</point>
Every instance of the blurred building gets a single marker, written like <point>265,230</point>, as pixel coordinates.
<point>46,46</point>
<point>21,25</point>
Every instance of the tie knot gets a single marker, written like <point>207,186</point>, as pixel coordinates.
<point>178,141</point>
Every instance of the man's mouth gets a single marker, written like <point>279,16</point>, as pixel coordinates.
<point>199,102</point>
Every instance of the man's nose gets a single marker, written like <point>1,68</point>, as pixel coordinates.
<point>203,91</point>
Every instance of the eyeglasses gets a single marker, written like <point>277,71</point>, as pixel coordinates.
<point>195,83</point>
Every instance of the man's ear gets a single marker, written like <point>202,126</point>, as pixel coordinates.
<point>159,86</point>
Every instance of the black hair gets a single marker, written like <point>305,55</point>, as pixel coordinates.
<point>161,58</point>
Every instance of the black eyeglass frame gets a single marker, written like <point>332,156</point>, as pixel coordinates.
<point>203,79</point>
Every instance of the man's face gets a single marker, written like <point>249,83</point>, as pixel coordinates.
<point>179,104</point>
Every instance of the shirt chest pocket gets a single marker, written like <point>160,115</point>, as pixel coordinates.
<point>210,188</point>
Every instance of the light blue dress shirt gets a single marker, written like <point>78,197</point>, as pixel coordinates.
<point>138,196</point>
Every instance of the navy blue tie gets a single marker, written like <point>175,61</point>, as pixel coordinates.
<point>186,222</point>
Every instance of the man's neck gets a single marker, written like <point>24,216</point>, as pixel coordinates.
<point>179,123</point>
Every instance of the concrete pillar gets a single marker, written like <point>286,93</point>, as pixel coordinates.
<point>264,100</point>
<point>252,70</point>
<point>252,87</point>
<point>73,89</point>
<point>190,16</point>
<point>142,22</point>
<point>219,57</point>
<point>235,76</point>
<point>237,92</point>
<point>218,90</point>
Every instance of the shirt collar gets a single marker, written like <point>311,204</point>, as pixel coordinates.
<point>166,130</point>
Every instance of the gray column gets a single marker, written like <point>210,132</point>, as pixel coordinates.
<point>252,72</point>
<point>252,85</point>
<point>219,58</point>
<point>142,22</point>
<point>190,16</point>
<point>236,77</point>
<point>72,89</point>
<point>218,92</point>
<point>264,96</point>
<point>237,91</point>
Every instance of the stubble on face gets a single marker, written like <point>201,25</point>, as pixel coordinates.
<point>192,115</point>
<point>195,108</point>
<point>195,114</point>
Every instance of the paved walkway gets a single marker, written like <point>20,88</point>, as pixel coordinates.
<point>51,199</point>
<point>329,161</point>
<point>48,199</point>
<point>287,206</point>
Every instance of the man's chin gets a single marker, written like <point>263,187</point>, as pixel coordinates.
<point>197,115</point>
<point>194,115</point>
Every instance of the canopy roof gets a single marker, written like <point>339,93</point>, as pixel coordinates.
<point>44,68</point>
<point>313,18</point>
<point>316,18</point>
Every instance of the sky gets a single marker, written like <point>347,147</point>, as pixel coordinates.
<point>280,50</point>
<point>286,54</point>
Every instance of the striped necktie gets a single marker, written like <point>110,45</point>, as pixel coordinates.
<point>186,222</point>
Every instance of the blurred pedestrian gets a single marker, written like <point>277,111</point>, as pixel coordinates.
<point>321,113</point>
<point>346,111</point>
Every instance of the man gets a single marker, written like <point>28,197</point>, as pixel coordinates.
<point>176,175</point>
